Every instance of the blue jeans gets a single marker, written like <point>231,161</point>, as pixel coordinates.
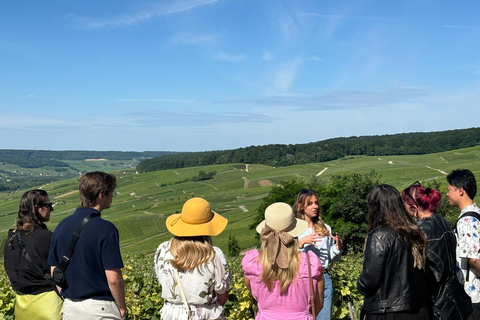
<point>326,312</point>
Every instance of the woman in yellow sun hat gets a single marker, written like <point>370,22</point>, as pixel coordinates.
<point>194,274</point>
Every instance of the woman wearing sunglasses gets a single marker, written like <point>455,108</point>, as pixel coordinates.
<point>421,204</point>
<point>35,296</point>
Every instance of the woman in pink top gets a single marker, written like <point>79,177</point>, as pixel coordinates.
<point>277,274</point>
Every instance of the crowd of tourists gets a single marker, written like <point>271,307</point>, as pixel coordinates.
<point>416,266</point>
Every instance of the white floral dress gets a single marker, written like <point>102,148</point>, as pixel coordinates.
<point>201,286</point>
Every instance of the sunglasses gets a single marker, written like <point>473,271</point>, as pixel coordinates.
<point>407,191</point>
<point>48,204</point>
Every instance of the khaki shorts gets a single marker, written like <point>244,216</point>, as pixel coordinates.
<point>90,309</point>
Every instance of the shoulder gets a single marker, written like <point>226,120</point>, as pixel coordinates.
<point>249,261</point>
<point>219,253</point>
<point>315,263</point>
<point>328,228</point>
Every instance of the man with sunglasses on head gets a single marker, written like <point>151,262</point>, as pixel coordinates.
<point>95,287</point>
<point>462,188</point>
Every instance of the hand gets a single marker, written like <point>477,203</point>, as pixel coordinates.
<point>123,312</point>
<point>338,241</point>
<point>310,239</point>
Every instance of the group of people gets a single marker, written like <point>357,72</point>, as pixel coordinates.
<point>411,251</point>
<point>405,258</point>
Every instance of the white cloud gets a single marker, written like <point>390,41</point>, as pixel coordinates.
<point>146,13</point>
<point>267,56</point>
<point>287,74</point>
<point>230,58</point>
<point>193,39</point>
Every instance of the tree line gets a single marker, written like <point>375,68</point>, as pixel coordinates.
<point>50,158</point>
<point>326,150</point>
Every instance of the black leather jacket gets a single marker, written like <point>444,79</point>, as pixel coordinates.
<point>439,256</point>
<point>388,280</point>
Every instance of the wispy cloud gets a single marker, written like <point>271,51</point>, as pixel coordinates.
<point>230,58</point>
<point>314,58</point>
<point>343,99</point>
<point>161,100</point>
<point>340,16</point>
<point>143,14</point>
<point>28,96</point>
<point>188,39</point>
<point>267,56</point>
<point>449,26</point>
<point>287,74</point>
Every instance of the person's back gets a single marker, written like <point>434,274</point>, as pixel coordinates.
<point>96,250</point>
<point>294,303</point>
<point>95,287</point>
<point>389,280</point>
<point>441,246</point>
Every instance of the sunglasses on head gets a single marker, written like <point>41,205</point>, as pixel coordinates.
<point>407,191</point>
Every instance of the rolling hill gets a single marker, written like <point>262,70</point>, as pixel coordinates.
<point>144,200</point>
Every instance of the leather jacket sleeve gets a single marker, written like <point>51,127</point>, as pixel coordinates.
<point>373,266</point>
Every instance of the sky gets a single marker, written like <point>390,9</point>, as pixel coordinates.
<point>203,75</point>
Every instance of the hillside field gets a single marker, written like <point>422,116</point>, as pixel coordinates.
<point>143,201</point>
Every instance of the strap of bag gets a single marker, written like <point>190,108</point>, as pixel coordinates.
<point>185,303</point>
<point>66,258</point>
<point>467,214</point>
<point>310,282</point>
<point>39,269</point>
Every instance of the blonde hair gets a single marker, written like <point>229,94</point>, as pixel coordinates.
<point>299,211</point>
<point>271,273</point>
<point>191,252</point>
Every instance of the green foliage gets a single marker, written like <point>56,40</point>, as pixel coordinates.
<point>142,291</point>
<point>240,304</point>
<point>345,208</point>
<point>204,176</point>
<point>7,296</point>
<point>344,280</point>
<point>233,247</point>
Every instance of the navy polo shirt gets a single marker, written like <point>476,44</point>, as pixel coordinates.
<point>97,250</point>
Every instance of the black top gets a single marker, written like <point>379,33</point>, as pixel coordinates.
<point>23,277</point>
<point>389,281</point>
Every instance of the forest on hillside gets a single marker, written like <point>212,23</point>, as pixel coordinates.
<point>331,149</point>
<point>44,158</point>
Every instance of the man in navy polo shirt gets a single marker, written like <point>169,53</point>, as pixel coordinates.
<point>95,287</point>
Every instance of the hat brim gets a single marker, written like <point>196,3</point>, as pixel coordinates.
<point>300,227</point>
<point>179,228</point>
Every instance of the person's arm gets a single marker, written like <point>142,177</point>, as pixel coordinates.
<point>475,266</point>
<point>247,283</point>
<point>117,288</point>
<point>222,297</point>
<point>51,273</point>
<point>320,295</point>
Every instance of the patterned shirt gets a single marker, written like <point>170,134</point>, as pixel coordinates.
<point>468,245</point>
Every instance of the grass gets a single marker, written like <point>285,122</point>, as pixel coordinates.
<point>143,201</point>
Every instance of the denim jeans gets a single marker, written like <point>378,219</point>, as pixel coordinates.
<point>326,312</point>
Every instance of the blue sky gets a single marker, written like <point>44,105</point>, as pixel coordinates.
<point>201,75</point>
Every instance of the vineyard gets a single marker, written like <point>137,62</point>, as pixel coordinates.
<point>143,293</point>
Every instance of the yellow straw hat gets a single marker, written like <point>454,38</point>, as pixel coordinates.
<point>196,219</point>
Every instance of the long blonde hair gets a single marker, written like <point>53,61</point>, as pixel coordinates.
<point>272,272</point>
<point>191,252</point>
<point>299,211</point>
